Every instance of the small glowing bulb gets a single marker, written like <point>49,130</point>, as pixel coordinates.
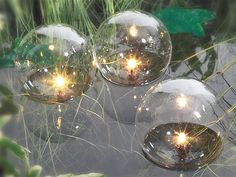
<point>104,61</point>
<point>66,54</point>
<point>51,47</point>
<point>132,63</point>
<point>133,31</point>
<point>28,62</point>
<point>59,108</point>
<point>181,138</point>
<point>60,81</point>
<point>181,101</point>
<point>58,123</point>
<point>94,63</point>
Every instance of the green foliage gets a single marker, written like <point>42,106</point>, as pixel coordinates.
<point>7,167</point>
<point>92,175</point>
<point>83,175</point>
<point>7,60</point>
<point>35,171</point>
<point>8,56</point>
<point>7,105</point>
<point>7,145</point>
<point>3,121</point>
<point>13,147</point>
<point>180,20</point>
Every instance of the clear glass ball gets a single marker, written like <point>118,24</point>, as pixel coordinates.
<point>132,48</point>
<point>55,63</point>
<point>180,124</point>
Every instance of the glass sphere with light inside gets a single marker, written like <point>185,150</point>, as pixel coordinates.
<point>180,124</point>
<point>132,48</point>
<point>55,63</point>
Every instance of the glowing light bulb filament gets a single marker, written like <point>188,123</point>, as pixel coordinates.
<point>132,64</point>
<point>181,139</point>
<point>59,81</point>
<point>182,144</point>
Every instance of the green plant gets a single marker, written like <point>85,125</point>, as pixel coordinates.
<point>10,149</point>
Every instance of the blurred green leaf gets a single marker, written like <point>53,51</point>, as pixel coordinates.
<point>35,171</point>
<point>8,168</point>
<point>181,20</point>
<point>7,60</point>
<point>83,175</point>
<point>7,105</point>
<point>13,147</point>
<point>92,175</point>
<point>4,120</point>
<point>16,43</point>
<point>66,175</point>
<point>5,91</point>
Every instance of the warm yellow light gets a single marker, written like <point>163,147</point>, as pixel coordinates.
<point>181,101</point>
<point>132,63</point>
<point>51,47</point>
<point>94,63</point>
<point>59,81</point>
<point>58,125</point>
<point>133,31</point>
<point>181,139</point>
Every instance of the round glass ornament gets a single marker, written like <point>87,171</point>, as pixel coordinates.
<point>132,48</point>
<point>180,124</point>
<point>55,63</point>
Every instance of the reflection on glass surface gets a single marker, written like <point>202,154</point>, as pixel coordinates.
<point>182,145</point>
<point>132,48</point>
<point>180,123</point>
<point>56,123</point>
<point>55,63</point>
